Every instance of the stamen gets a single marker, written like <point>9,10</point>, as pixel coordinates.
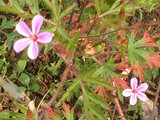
<point>134,91</point>
<point>33,37</point>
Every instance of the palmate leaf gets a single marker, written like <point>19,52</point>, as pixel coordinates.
<point>97,99</point>
<point>7,25</point>
<point>99,81</point>
<point>68,113</point>
<point>97,112</point>
<point>69,92</point>
<point>136,51</point>
<point>142,54</point>
<point>107,68</point>
<point>92,110</point>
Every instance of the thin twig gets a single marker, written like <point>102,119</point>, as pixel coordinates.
<point>100,34</point>
<point>64,77</point>
<point>92,26</point>
<point>46,20</point>
<point>142,26</point>
<point>155,101</point>
<point>81,12</point>
<point>60,87</point>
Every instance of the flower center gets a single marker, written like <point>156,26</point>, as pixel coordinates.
<point>134,91</point>
<point>33,37</point>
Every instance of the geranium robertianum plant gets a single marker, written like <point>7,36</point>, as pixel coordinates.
<point>83,67</point>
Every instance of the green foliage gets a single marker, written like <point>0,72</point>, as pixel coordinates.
<point>5,25</point>
<point>33,5</point>
<point>54,67</point>
<point>108,66</point>
<point>9,115</point>
<point>67,10</point>
<point>135,110</point>
<point>67,95</point>
<point>73,41</point>
<point>24,79</point>
<point>149,4</point>
<point>90,80</point>
<point>99,81</point>
<point>136,52</point>
<point>63,32</point>
<point>2,3</point>
<point>90,105</point>
<point>21,65</point>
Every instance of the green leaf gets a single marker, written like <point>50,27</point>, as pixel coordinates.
<point>21,65</point>
<point>1,63</point>
<point>63,32</point>
<point>4,21</point>
<point>99,71</point>
<point>22,2</point>
<point>88,113</point>
<point>97,112</point>
<point>67,10</point>
<point>24,79</point>
<point>158,43</point>
<point>10,37</point>
<point>22,108</point>
<point>2,3</point>
<point>73,41</point>
<point>14,10</point>
<point>120,95</point>
<point>4,115</point>
<point>99,81</point>
<point>33,6</point>
<point>69,91</point>
<point>97,99</point>
<point>35,87</point>
<point>15,3</point>
<point>21,89</point>
<point>10,24</point>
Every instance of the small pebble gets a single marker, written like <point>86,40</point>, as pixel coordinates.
<point>154,19</point>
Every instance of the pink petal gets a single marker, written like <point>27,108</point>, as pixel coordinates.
<point>37,23</point>
<point>134,83</point>
<point>45,37</point>
<point>33,50</point>
<point>127,92</point>
<point>23,29</point>
<point>21,44</point>
<point>141,96</point>
<point>143,87</point>
<point>133,99</point>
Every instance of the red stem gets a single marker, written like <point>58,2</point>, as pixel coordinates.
<point>155,101</point>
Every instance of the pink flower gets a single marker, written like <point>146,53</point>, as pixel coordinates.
<point>32,38</point>
<point>135,91</point>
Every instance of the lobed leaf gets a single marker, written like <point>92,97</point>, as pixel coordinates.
<point>67,10</point>
<point>69,91</point>
<point>63,32</point>
<point>97,99</point>
<point>99,81</point>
